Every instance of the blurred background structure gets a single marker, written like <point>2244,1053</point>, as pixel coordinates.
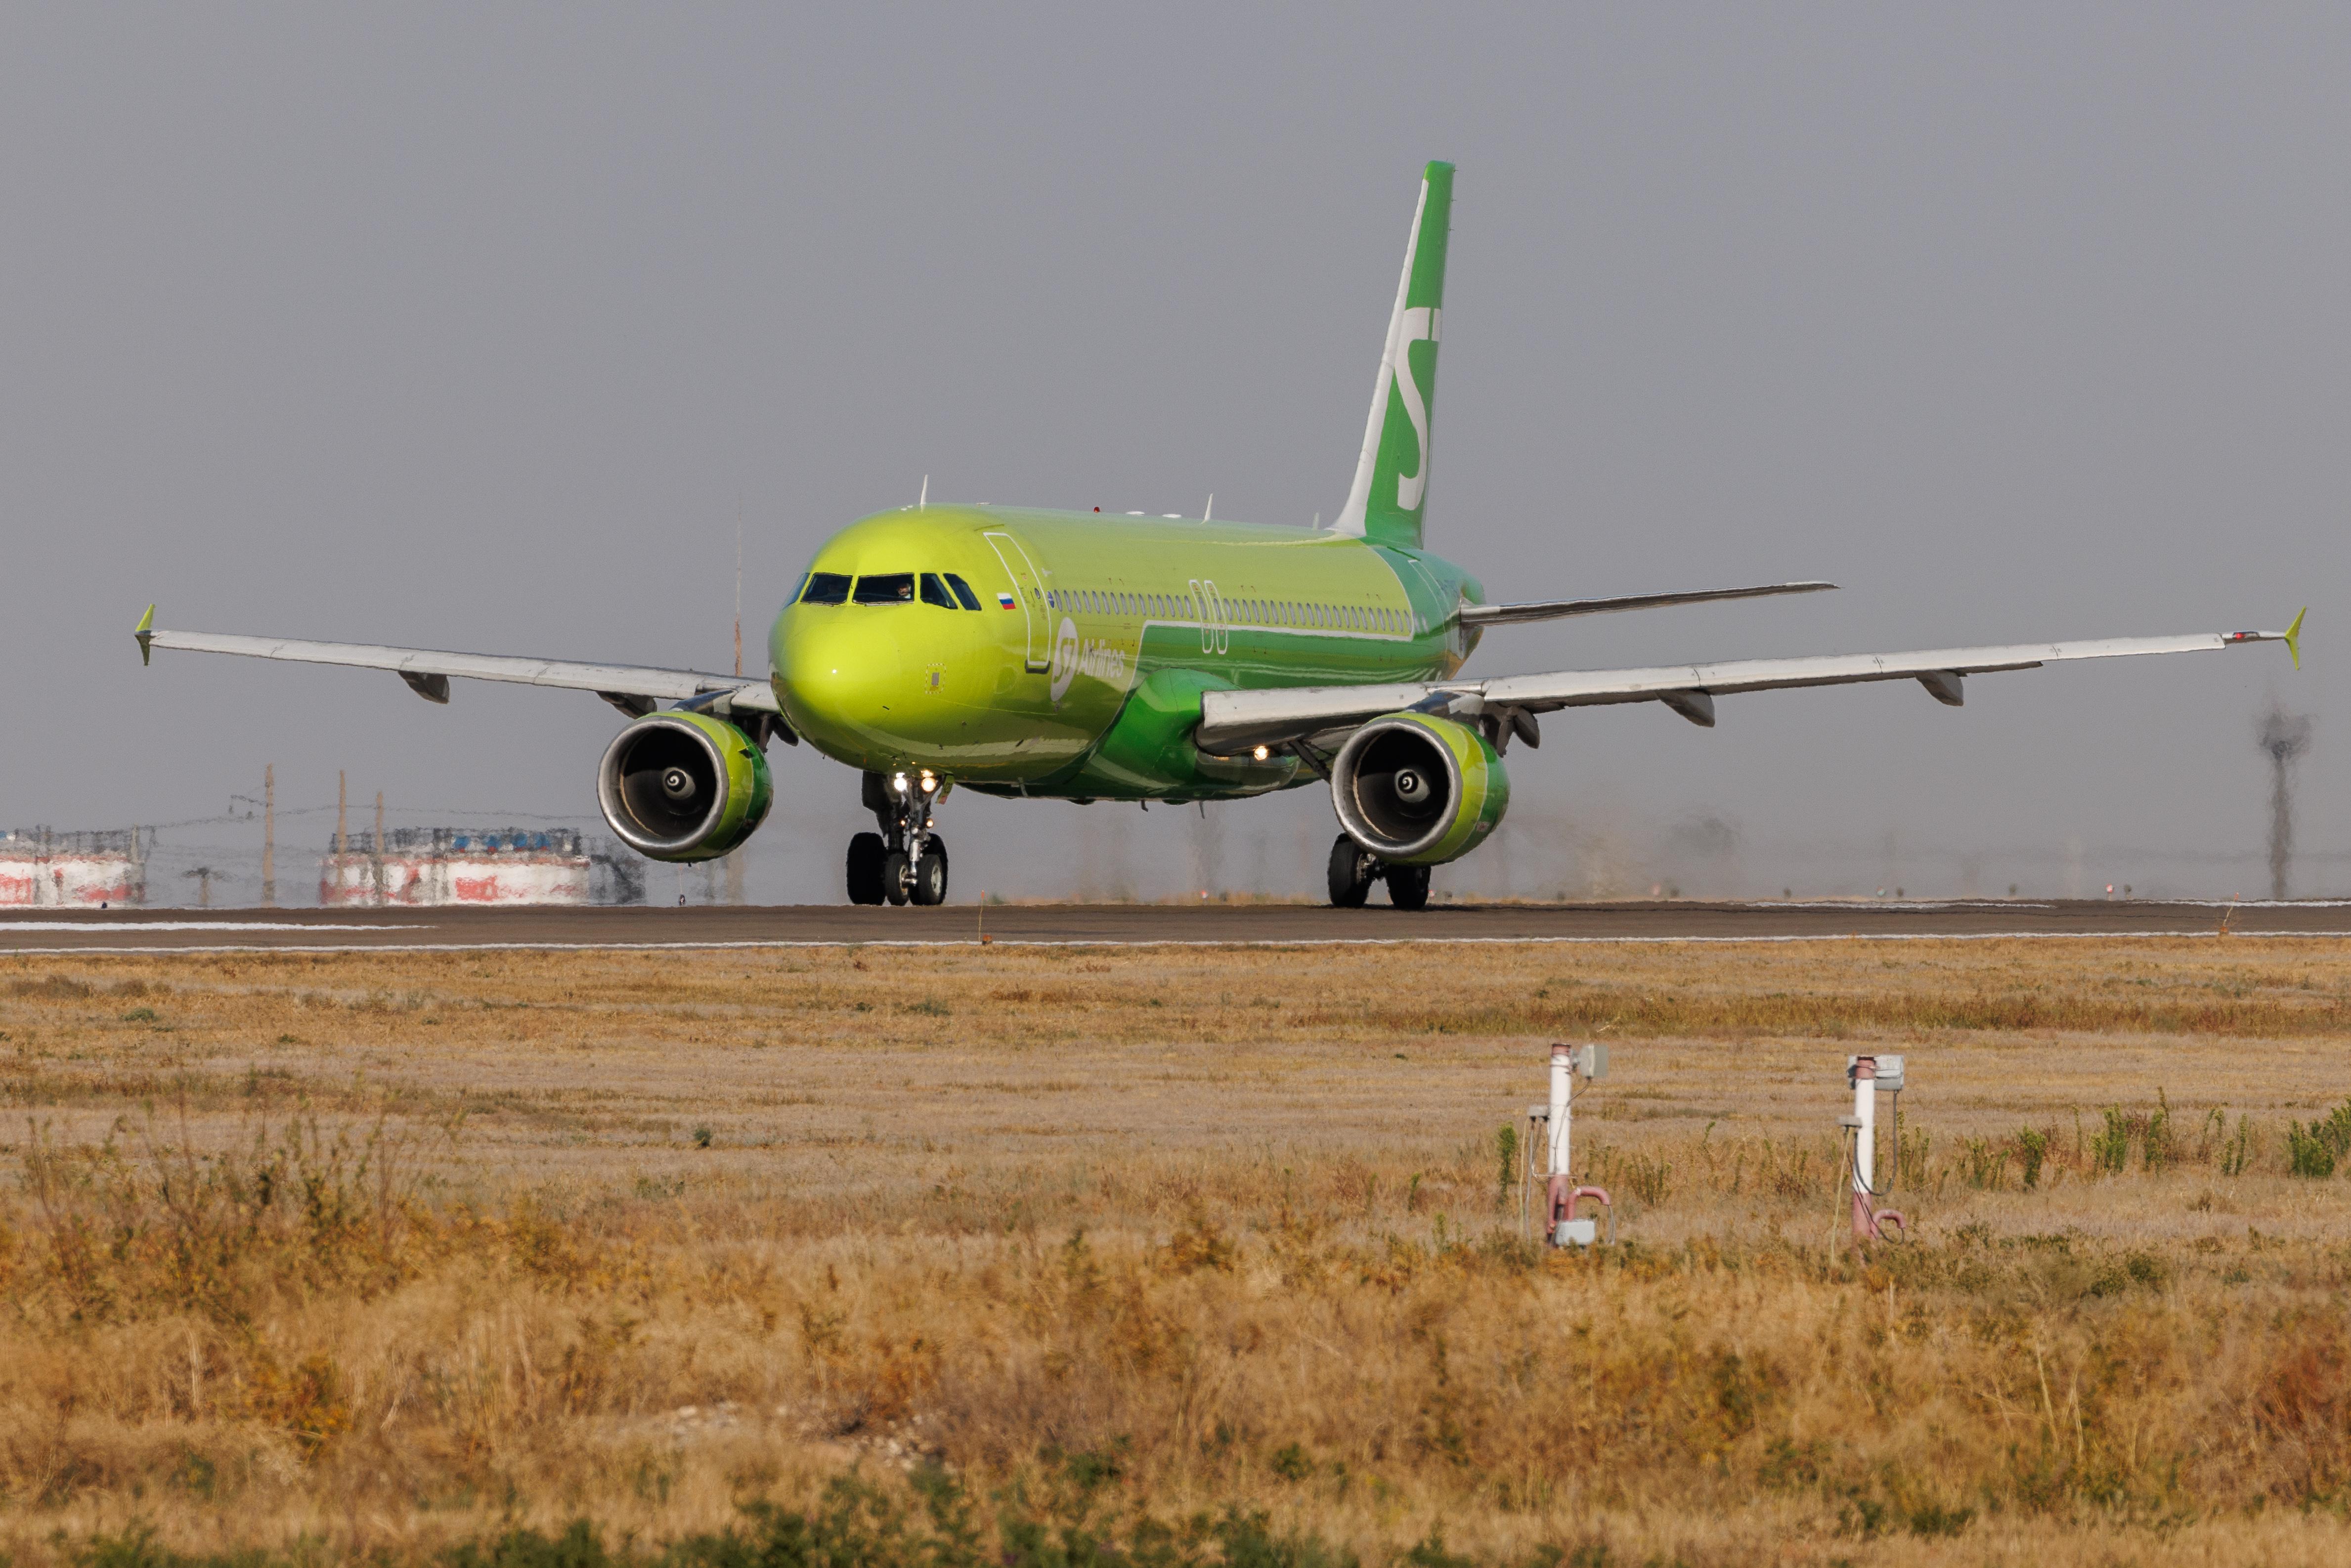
<point>2284,737</point>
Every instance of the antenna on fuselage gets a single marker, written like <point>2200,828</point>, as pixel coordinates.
<point>923,501</point>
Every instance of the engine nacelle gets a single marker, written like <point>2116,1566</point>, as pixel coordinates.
<point>1419,790</point>
<point>682,786</point>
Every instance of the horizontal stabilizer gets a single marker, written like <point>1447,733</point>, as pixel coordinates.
<point>1551,608</point>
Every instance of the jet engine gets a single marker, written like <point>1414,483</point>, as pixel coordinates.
<point>682,786</point>
<point>1419,790</point>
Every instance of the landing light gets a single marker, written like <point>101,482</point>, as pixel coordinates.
<point>929,782</point>
<point>1261,753</point>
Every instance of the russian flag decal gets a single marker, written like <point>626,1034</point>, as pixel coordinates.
<point>1005,599</point>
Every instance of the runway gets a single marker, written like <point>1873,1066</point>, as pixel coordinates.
<point>655,927</point>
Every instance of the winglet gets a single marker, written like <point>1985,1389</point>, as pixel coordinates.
<point>145,633</point>
<point>2293,636</point>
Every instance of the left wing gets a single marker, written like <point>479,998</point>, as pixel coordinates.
<point>1231,721</point>
<point>633,689</point>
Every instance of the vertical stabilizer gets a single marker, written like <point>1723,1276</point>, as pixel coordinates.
<point>1391,487</point>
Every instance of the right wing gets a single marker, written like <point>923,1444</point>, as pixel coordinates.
<point>633,689</point>
<point>1231,721</point>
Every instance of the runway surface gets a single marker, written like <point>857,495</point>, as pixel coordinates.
<point>654,926</point>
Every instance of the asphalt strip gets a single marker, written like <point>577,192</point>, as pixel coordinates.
<point>1179,941</point>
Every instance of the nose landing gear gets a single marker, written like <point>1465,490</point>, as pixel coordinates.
<point>905,862</point>
<point>1353,869</point>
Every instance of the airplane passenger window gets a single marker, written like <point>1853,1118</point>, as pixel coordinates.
<point>890,587</point>
<point>963,595</point>
<point>935,592</point>
<point>826,587</point>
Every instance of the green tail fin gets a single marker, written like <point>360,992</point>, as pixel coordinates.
<point>1391,489</point>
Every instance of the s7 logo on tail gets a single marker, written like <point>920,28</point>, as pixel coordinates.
<point>1420,326</point>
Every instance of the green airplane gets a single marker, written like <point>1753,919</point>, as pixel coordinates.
<point>1078,656</point>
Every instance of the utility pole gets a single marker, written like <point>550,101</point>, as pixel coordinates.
<point>268,833</point>
<point>342,840</point>
<point>379,847</point>
<point>204,875</point>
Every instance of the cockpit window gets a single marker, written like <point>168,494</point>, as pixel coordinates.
<point>891,588</point>
<point>935,592</point>
<point>826,587</point>
<point>962,592</point>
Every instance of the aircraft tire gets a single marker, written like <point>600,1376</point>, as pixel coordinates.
<point>1350,878</point>
<point>865,853</point>
<point>931,875</point>
<point>1408,886</point>
<point>897,879</point>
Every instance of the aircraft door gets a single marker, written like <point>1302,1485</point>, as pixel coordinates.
<point>1216,631</point>
<point>1029,589</point>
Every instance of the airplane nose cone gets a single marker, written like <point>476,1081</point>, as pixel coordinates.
<point>840,678</point>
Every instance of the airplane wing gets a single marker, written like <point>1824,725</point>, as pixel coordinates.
<point>1551,608</point>
<point>635,690</point>
<point>1233,721</point>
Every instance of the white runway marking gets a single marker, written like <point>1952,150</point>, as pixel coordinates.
<point>106,927</point>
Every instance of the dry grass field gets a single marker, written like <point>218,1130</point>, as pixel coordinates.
<point>1161,1255</point>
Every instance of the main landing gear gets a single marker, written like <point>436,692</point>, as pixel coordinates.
<point>905,862</point>
<point>1353,869</point>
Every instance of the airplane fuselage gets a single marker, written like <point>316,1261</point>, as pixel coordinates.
<point>1080,671</point>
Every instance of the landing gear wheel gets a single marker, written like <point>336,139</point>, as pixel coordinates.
<point>1408,886</point>
<point>865,854</point>
<point>1351,873</point>
<point>931,873</point>
<point>896,878</point>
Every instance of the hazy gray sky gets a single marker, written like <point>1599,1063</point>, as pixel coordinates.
<point>480,326</point>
